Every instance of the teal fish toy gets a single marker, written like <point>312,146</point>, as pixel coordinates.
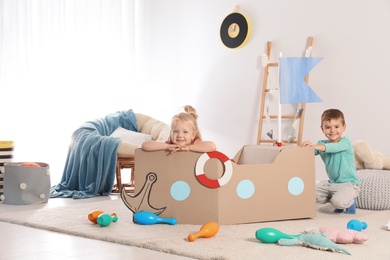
<point>316,241</point>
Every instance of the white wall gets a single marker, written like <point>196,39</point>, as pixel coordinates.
<point>181,60</point>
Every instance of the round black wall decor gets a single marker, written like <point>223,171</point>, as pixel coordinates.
<point>235,30</point>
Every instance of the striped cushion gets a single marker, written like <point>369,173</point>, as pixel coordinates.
<point>6,155</point>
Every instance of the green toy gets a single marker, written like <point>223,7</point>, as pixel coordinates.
<point>316,241</point>
<point>272,235</point>
<point>105,219</point>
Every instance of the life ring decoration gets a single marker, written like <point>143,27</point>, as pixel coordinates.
<point>213,183</point>
<point>235,30</point>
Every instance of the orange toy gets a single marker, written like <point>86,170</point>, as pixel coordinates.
<point>209,229</point>
<point>101,218</point>
<point>93,216</point>
<point>30,164</point>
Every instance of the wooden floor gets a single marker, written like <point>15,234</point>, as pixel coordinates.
<point>20,242</point>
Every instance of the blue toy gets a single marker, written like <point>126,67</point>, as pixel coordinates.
<point>355,224</point>
<point>148,218</point>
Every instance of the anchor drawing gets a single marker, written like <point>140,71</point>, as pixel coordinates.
<point>140,201</point>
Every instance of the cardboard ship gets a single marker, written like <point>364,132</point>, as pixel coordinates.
<point>261,183</point>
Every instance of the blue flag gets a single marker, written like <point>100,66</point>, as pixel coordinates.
<point>293,88</point>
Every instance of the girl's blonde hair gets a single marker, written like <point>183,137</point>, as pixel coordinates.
<point>188,116</point>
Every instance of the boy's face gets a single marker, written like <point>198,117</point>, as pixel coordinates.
<point>333,129</point>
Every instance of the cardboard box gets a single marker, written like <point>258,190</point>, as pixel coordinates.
<point>262,183</point>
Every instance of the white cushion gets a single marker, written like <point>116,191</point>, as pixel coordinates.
<point>164,134</point>
<point>131,136</point>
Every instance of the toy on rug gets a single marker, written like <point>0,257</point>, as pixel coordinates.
<point>209,229</point>
<point>106,219</point>
<point>357,225</point>
<point>366,158</point>
<point>271,235</point>
<point>387,226</point>
<point>149,218</point>
<point>315,241</point>
<point>339,235</point>
<point>29,164</point>
<point>101,218</point>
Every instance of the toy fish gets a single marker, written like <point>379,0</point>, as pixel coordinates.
<point>316,241</point>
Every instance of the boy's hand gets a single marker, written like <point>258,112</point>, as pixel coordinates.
<point>307,144</point>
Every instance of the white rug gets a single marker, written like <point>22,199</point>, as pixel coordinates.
<point>231,242</point>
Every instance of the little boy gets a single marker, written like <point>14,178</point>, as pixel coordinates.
<point>342,188</point>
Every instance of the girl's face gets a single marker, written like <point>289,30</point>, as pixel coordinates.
<point>333,130</point>
<point>182,133</point>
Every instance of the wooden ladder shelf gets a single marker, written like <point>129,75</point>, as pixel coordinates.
<point>300,113</point>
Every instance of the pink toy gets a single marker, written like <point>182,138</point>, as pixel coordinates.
<point>340,235</point>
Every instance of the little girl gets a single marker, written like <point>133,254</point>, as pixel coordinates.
<point>184,136</point>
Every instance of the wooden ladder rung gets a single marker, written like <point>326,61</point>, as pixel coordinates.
<point>283,116</point>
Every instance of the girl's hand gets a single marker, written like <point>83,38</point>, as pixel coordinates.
<point>184,148</point>
<point>174,148</point>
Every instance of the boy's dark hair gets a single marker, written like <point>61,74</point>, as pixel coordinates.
<point>332,113</point>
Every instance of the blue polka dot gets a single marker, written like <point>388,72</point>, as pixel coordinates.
<point>245,189</point>
<point>180,190</point>
<point>296,186</point>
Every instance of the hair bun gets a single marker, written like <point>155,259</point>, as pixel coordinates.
<point>190,110</point>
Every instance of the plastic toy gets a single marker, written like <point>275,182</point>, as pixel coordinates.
<point>94,215</point>
<point>209,229</point>
<point>272,235</point>
<point>355,224</point>
<point>148,218</point>
<point>387,226</point>
<point>339,235</point>
<point>101,218</point>
<point>315,241</point>
<point>105,219</point>
<point>29,164</point>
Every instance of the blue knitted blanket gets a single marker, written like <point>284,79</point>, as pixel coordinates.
<point>91,161</point>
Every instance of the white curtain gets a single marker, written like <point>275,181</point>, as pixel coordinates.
<point>62,62</point>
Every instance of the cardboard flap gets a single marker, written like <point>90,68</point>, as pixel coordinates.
<point>255,154</point>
